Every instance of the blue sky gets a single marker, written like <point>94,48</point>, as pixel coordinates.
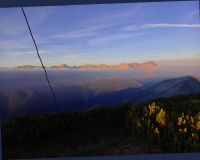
<point>165,32</point>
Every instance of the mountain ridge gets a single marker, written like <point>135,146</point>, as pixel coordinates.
<point>145,65</point>
<point>85,95</point>
<point>80,95</point>
<point>170,87</point>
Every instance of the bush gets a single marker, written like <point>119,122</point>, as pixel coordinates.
<point>168,131</point>
<point>91,125</point>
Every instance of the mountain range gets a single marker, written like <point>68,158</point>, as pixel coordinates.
<point>85,95</point>
<point>75,96</point>
<point>146,65</point>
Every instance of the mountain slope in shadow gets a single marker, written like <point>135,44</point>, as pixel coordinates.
<point>75,96</point>
<point>167,88</point>
<point>26,102</point>
<point>106,91</point>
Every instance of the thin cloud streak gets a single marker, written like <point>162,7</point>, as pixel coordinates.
<point>75,35</point>
<point>192,14</point>
<point>84,32</point>
<point>24,53</point>
<point>106,40</point>
<point>64,49</point>
<point>146,26</point>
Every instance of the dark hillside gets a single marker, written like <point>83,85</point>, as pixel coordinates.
<point>167,88</point>
<point>26,102</point>
<point>75,96</point>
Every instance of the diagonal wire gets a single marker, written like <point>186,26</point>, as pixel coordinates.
<point>43,65</point>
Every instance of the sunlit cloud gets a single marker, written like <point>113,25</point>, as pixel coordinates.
<point>146,26</point>
<point>106,40</point>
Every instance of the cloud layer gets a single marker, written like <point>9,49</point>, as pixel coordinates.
<point>146,26</point>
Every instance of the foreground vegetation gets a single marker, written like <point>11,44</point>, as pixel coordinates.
<point>173,128</point>
<point>165,125</point>
<point>98,129</point>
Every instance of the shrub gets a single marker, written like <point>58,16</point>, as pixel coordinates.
<point>167,131</point>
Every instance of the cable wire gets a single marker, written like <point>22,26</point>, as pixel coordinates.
<point>43,66</point>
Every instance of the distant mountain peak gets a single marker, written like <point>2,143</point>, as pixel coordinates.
<point>27,67</point>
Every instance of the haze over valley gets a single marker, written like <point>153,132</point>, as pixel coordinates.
<point>34,79</point>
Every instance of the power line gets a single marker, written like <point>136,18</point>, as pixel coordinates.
<point>43,66</point>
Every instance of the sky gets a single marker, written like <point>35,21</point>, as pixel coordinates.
<point>167,33</point>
